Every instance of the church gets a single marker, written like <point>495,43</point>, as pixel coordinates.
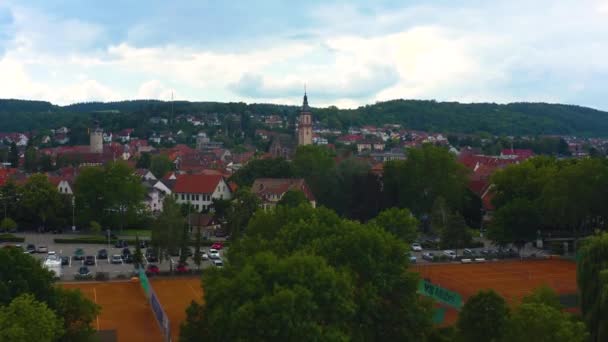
<point>284,146</point>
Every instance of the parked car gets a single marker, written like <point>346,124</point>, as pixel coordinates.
<point>89,260</point>
<point>116,259</point>
<point>214,254</point>
<point>152,270</point>
<point>121,244</point>
<point>188,252</point>
<point>416,247</point>
<point>42,249</point>
<point>151,255</point>
<point>30,248</point>
<point>218,245</point>
<point>218,263</point>
<point>127,258</point>
<point>84,271</point>
<point>65,260</point>
<point>143,244</point>
<point>126,251</point>
<point>428,256</point>
<point>468,252</point>
<point>450,254</point>
<point>220,233</point>
<point>205,256</point>
<point>413,259</point>
<point>102,254</point>
<point>57,231</point>
<point>182,268</point>
<point>78,254</point>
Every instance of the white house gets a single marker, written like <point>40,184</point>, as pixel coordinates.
<point>271,190</point>
<point>200,190</point>
<point>64,187</point>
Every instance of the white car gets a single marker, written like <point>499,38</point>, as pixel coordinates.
<point>42,249</point>
<point>205,256</point>
<point>416,247</point>
<point>116,259</point>
<point>218,263</point>
<point>450,254</point>
<point>214,254</point>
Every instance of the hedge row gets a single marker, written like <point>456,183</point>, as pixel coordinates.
<point>102,241</point>
<point>10,238</point>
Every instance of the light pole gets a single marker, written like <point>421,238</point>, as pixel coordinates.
<point>73,213</point>
<point>108,231</point>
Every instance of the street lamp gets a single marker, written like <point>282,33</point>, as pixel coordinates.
<point>73,213</point>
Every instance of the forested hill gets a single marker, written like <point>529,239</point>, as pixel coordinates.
<point>454,117</point>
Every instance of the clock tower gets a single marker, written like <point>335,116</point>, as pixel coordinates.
<point>305,124</point>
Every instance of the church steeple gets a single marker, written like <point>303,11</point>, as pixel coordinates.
<point>305,123</point>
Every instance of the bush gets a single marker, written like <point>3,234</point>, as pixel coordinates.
<point>10,238</point>
<point>102,276</point>
<point>8,224</point>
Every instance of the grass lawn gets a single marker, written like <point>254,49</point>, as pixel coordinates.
<point>134,232</point>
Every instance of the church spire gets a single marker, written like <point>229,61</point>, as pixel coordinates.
<point>305,107</point>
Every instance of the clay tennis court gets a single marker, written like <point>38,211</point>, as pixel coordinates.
<point>124,308</point>
<point>511,279</point>
<point>175,296</point>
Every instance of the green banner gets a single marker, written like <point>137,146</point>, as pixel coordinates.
<point>440,294</point>
<point>145,283</point>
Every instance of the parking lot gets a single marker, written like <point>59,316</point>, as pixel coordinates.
<point>100,265</point>
<point>488,252</point>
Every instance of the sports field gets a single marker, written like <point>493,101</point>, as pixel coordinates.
<point>511,279</point>
<point>124,308</point>
<point>175,296</point>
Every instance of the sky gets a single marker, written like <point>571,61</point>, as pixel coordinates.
<point>346,53</point>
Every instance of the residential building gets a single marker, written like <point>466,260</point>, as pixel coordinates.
<point>271,190</point>
<point>200,190</point>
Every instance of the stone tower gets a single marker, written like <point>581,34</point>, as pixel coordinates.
<point>96,140</point>
<point>305,124</point>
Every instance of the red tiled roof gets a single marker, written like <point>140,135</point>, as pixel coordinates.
<point>278,186</point>
<point>196,184</point>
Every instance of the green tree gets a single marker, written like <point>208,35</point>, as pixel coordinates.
<point>399,222</point>
<point>45,163</point>
<point>95,227</point>
<point>198,255</point>
<point>483,318</point>
<point>8,224</point>
<point>78,314</point>
<point>160,164</point>
<point>300,297</point>
<point>23,274</point>
<point>387,306</point>
<point>143,162</point>
<point>516,222</point>
<point>440,215</point>
<point>13,155</point>
<point>543,295</point>
<point>262,168</point>
<point>30,160</point>
<point>40,198</point>
<point>244,205</point>
<point>138,256</point>
<point>592,278</point>
<point>112,194</point>
<point>456,234</point>
<point>293,198</point>
<point>428,173</point>
<point>543,323</point>
<point>316,165</point>
<point>184,243</point>
<point>167,229</point>
<point>26,319</point>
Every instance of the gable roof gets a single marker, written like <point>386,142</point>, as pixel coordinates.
<point>196,184</point>
<point>278,186</point>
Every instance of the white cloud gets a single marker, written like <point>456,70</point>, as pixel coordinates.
<point>155,90</point>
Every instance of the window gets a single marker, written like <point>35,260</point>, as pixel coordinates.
<point>183,197</point>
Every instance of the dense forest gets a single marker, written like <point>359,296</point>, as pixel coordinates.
<point>450,117</point>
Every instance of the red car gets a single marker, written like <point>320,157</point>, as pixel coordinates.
<point>182,268</point>
<point>217,245</point>
<point>152,270</point>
